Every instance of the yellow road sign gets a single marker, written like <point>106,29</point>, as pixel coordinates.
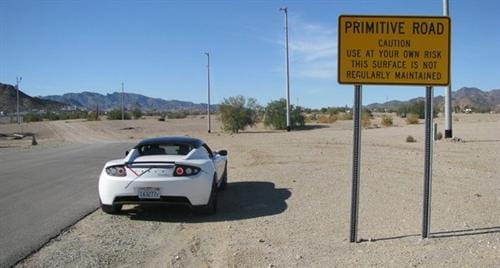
<point>394,50</point>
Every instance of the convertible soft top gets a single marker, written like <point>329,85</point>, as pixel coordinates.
<point>196,143</point>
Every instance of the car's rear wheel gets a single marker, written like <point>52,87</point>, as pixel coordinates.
<point>211,207</point>
<point>113,209</point>
<point>223,183</point>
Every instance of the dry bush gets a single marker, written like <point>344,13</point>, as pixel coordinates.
<point>439,136</point>
<point>410,139</point>
<point>308,119</point>
<point>327,119</point>
<point>412,119</point>
<point>333,118</point>
<point>365,120</point>
<point>344,116</point>
<point>323,119</point>
<point>387,121</point>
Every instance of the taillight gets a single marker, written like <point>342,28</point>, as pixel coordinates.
<point>179,171</point>
<point>116,171</point>
<point>185,171</point>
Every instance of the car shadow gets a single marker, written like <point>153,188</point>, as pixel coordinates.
<point>240,200</point>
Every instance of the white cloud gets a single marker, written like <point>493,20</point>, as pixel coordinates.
<point>313,49</point>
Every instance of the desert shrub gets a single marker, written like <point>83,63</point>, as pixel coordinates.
<point>367,112</point>
<point>116,114</point>
<point>32,117</point>
<point>365,120</point>
<point>344,116</point>
<point>411,119</point>
<point>176,114</point>
<point>417,107</point>
<point>439,136</point>
<point>136,113</point>
<point>275,115</point>
<point>386,121</point>
<point>93,116</point>
<point>236,113</point>
<point>162,117</point>
<point>323,119</point>
<point>410,139</point>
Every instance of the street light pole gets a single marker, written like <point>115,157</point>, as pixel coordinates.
<point>447,92</point>
<point>208,87</point>
<point>18,80</point>
<point>288,127</point>
<point>123,103</point>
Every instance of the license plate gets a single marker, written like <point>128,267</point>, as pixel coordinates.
<point>148,193</point>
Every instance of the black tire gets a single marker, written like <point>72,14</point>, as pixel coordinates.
<point>114,209</point>
<point>211,207</point>
<point>223,183</point>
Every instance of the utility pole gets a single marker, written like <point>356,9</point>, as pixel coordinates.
<point>288,128</point>
<point>123,103</point>
<point>208,87</point>
<point>18,80</point>
<point>447,92</point>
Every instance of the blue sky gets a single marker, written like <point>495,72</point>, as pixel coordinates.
<point>157,47</point>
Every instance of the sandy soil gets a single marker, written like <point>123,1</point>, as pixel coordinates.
<point>288,200</point>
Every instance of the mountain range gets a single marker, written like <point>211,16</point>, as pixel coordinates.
<point>89,100</point>
<point>466,97</point>
<point>8,101</point>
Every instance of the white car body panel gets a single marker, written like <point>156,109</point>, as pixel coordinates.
<point>160,169</point>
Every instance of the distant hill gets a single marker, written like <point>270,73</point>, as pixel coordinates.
<point>466,97</point>
<point>8,101</point>
<point>89,100</point>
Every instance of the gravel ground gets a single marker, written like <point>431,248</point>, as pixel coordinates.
<point>288,200</point>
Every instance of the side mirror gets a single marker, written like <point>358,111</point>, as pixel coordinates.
<point>126,153</point>
<point>222,152</point>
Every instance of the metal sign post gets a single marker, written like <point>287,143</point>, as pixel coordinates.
<point>393,50</point>
<point>426,217</point>
<point>356,157</point>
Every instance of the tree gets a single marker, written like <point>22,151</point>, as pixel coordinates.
<point>137,113</point>
<point>417,107</point>
<point>275,115</point>
<point>116,114</point>
<point>236,113</point>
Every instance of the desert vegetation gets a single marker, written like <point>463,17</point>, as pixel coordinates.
<point>275,115</point>
<point>237,113</point>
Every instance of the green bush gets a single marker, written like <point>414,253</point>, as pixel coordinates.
<point>417,107</point>
<point>236,113</point>
<point>136,113</point>
<point>116,114</point>
<point>275,115</point>
<point>32,117</point>
<point>176,114</point>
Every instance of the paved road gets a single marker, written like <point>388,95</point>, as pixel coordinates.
<point>44,191</point>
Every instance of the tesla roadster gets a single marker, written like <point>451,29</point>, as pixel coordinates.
<point>165,170</point>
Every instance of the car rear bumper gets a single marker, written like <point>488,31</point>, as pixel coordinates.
<point>124,190</point>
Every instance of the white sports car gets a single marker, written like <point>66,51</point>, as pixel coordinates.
<point>165,170</point>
